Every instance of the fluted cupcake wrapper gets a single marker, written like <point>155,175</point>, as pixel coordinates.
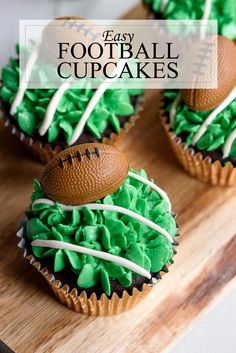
<point>44,152</point>
<point>198,166</point>
<point>82,303</point>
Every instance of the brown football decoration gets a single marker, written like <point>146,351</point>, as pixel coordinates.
<point>206,99</point>
<point>76,33</point>
<point>84,173</point>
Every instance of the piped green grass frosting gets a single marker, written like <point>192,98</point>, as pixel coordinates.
<point>105,231</point>
<point>31,111</point>
<point>223,11</point>
<point>187,122</point>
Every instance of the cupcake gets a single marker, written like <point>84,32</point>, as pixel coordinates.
<point>99,232</point>
<point>201,123</point>
<point>223,11</point>
<point>49,120</point>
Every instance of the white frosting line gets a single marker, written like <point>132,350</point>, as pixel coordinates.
<point>24,79</point>
<point>206,14</point>
<point>229,143</point>
<point>174,108</point>
<point>207,9</point>
<point>219,109</point>
<point>153,186</point>
<point>52,107</point>
<point>212,116</point>
<point>94,100</point>
<point>106,207</point>
<point>163,5</point>
<point>55,244</point>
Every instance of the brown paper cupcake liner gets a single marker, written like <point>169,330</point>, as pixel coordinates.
<point>194,163</point>
<point>91,305</point>
<point>44,152</point>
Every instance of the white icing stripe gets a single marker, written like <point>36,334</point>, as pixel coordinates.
<point>229,143</point>
<point>163,5</point>
<point>206,14</point>
<point>52,107</point>
<point>207,9</point>
<point>94,100</point>
<point>153,186</point>
<point>174,108</point>
<point>106,207</point>
<point>24,79</point>
<point>212,116</point>
<point>55,244</point>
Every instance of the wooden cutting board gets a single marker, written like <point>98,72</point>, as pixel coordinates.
<point>32,320</point>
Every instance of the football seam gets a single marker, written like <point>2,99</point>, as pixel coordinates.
<point>199,64</point>
<point>79,156</point>
<point>82,26</point>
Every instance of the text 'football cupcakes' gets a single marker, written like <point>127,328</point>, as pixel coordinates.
<point>99,232</point>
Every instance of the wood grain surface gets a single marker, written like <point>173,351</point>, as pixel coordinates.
<point>32,320</point>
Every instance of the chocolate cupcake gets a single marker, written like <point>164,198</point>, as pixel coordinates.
<point>201,123</point>
<point>99,232</point>
<point>48,121</point>
<point>223,11</point>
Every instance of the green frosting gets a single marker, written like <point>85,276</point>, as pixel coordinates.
<point>31,111</point>
<point>188,122</point>
<point>107,231</point>
<point>223,11</point>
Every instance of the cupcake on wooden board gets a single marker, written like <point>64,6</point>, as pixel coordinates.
<point>49,120</point>
<point>99,232</point>
<point>201,123</point>
<point>223,11</point>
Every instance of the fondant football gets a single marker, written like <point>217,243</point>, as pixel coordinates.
<point>68,30</point>
<point>76,36</point>
<point>206,99</point>
<point>84,173</point>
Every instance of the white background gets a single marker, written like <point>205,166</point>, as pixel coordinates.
<point>214,333</point>
<point>13,10</point>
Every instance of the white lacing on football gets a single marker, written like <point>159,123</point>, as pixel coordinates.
<point>56,244</point>
<point>112,208</point>
<point>24,79</point>
<point>213,115</point>
<point>153,186</point>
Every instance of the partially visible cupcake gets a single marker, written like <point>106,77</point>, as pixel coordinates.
<point>201,123</point>
<point>223,11</point>
<point>48,120</point>
<point>104,246</point>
